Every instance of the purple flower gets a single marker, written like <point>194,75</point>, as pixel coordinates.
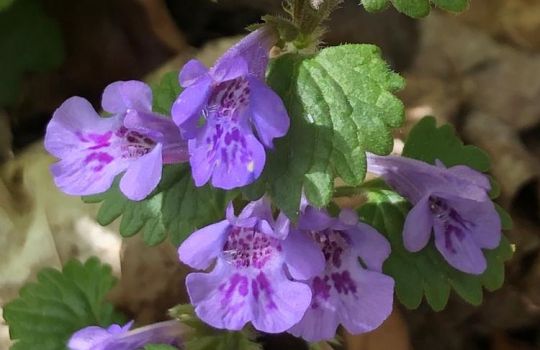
<point>94,150</point>
<point>256,261</point>
<point>96,338</point>
<point>454,202</point>
<point>240,114</point>
<point>351,290</point>
<point>116,337</point>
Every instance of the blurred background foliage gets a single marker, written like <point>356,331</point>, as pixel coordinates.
<point>26,22</point>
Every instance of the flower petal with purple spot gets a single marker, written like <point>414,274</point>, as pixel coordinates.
<point>229,114</point>
<point>250,281</point>
<point>94,150</point>
<point>460,234</point>
<point>229,155</point>
<point>358,297</point>
<point>454,202</point>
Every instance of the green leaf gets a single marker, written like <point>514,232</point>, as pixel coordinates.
<point>335,343</point>
<point>159,347</point>
<point>221,341</point>
<point>506,219</point>
<point>165,93</point>
<point>341,105</point>
<point>48,312</point>
<point>176,208</point>
<point>427,142</point>
<point>204,337</point>
<point>426,273</point>
<point>416,8</point>
<point>452,5</point>
<point>375,5</point>
<point>4,4</point>
<point>413,8</point>
<point>30,41</point>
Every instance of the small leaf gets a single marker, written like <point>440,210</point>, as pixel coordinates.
<point>452,5</point>
<point>326,345</point>
<point>159,347</point>
<point>427,142</point>
<point>416,8</point>
<point>506,219</point>
<point>4,4</point>
<point>204,337</point>
<point>375,5</point>
<point>341,105</point>
<point>165,93</point>
<point>176,208</point>
<point>48,312</point>
<point>413,8</point>
<point>495,188</point>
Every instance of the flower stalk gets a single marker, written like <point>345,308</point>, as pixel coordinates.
<point>308,16</point>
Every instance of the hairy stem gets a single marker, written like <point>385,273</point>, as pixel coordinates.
<point>308,15</point>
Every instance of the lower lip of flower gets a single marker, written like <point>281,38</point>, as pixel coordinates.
<point>453,223</point>
<point>334,244</point>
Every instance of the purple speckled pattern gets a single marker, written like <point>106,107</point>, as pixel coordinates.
<point>93,150</point>
<point>256,266</point>
<point>357,296</point>
<point>453,202</point>
<point>229,114</point>
<point>117,337</point>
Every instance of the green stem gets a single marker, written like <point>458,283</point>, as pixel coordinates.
<point>347,191</point>
<point>350,191</point>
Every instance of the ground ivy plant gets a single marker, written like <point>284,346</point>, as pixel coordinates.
<point>237,165</point>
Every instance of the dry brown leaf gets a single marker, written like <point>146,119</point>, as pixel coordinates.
<point>41,227</point>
